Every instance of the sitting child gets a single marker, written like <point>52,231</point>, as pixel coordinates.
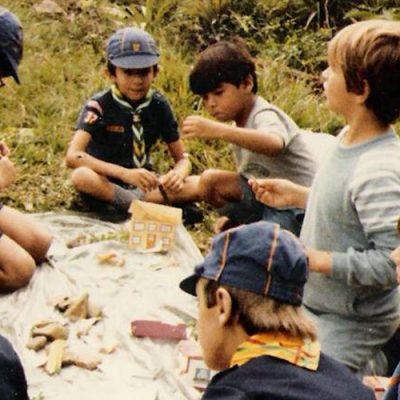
<point>22,241</point>
<point>117,128</point>
<point>251,326</point>
<point>265,140</point>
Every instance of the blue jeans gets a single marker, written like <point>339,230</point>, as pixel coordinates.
<point>249,209</point>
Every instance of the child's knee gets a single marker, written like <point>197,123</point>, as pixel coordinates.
<point>41,244</point>
<point>80,178</point>
<point>17,273</point>
<point>207,185</point>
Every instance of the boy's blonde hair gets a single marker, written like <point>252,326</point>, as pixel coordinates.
<point>258,314</point>
<point>369,52</point>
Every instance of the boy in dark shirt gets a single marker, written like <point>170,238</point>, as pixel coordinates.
<point>20,239</point>
<point>251,326</point>
<point>117,128</point>
<point>23,242</point>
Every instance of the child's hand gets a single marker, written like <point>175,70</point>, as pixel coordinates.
<point>395,257</point>
<point>200,128</point>
<point>7,172</point>
<point>140,177</point>
<point>275,192</point>
<point>4,150</point>
<point>172,181</point>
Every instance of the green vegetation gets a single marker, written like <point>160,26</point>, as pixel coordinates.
<point>64,60</point>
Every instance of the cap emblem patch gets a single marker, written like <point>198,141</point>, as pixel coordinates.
<point>136,46</point>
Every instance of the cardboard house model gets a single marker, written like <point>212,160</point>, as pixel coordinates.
<point>152,226</point>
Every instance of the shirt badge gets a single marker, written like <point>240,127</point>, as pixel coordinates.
<point>115,128</point>
<point>90,117</point>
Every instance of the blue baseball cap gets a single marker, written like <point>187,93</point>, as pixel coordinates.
<point>11,44</point>
<point>132,48</point>
<point>260,258</point>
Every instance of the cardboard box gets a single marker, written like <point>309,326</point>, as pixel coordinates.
<point>152,226</point>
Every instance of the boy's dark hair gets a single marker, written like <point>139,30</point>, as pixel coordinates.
<point>222,62</point>
<point>260,314</point>
<point>111,68</point>
<point>369,51</point>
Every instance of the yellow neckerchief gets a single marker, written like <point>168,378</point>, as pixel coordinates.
<point>304,353</point>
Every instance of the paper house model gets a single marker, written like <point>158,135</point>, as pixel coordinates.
<point>191,365</point>
<point>152,226</point>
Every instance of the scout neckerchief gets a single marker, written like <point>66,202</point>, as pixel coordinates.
<point>139,145</point>
<point>392,391</point>
<point>303,353</point>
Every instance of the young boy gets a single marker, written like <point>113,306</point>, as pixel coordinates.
<point>265,141</point>
<point>352,207</point>
<point>110,151</point>
<point>22,241</point>
<point>251,325</point>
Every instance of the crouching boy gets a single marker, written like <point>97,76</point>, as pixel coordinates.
<point>251,325</point>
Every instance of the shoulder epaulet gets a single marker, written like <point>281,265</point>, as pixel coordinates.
<point>158,96</point>
<point>104,99</point>
<point>95,106</point>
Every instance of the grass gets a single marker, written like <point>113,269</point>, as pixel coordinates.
<point>63,65</point>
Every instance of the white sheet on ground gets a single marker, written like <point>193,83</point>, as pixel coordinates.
<point>146,287</point>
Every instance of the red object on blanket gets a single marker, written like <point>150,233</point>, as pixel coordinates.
<point>157,329</point>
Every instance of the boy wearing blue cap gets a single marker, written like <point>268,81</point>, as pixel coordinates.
<point>353,205</point>
<point>251,326</point>
<point>22,241</point>
<point>117,128</point>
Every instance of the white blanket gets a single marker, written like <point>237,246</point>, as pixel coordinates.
<point>146,287</point>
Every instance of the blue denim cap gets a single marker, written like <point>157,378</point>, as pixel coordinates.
<point>132,48</point>
<point>260,258</point>
<point>11,44</point>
